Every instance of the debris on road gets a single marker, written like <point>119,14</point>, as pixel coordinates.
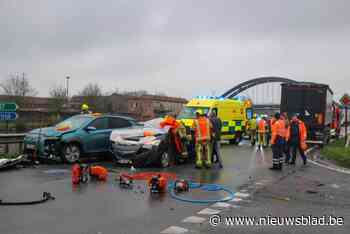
<point>8,163</point>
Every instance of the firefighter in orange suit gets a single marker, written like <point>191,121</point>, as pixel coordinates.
<point>278,140</point>
<point>178,135</point>
<point>203,133</point>
<point>262,133</point>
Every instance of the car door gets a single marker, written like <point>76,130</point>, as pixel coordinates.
<point>97,140</point>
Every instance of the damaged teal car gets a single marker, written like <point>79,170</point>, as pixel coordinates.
<point>78,136</point>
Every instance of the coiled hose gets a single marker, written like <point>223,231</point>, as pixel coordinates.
<point>46,197</point>
<point>204,187</point>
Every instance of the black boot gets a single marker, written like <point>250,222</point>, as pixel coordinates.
<point>280,166</point>
<point>274,167</point>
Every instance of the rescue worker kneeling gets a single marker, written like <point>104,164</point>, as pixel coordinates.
<point>203,131</point>
<point>178,137</point>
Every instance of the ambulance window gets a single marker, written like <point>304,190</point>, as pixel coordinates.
<point>249,113</point>
<point>215,110</point>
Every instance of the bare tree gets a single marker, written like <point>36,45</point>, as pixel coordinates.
<point>58,96</point>
<point>17,86</point>
<point>92,95</point>
<point>136,93</point>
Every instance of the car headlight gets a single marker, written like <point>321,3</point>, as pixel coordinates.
<point>150,144</point>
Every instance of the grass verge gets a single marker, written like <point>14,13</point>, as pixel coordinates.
<point>336,152</point>
<point>8,156</point>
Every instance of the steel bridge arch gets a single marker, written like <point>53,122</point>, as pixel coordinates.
<point>254,82</point>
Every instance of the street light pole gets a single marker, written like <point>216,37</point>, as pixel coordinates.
<point>67,85</point>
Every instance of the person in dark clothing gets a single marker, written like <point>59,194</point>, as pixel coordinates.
<point>217,124</point>
<point>296,136</point>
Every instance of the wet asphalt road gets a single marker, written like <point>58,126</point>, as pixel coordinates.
<point>101,208</point>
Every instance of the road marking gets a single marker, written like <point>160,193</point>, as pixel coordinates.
<point>330,168</point>
<point>208,211</point>
<point>242,195</point>
<point>194,219</point>
<point>174,230</point>
<point>222,205</point>
<point>335,186</point>
<point>340,170</point>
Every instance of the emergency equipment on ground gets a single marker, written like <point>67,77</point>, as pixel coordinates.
<point>46,197</point>
<point>181,186</point>
<point>158,184</point>
<point>204,187</point>
<point>80,173</point>
<point>98,172</point>
<point>126,180</point>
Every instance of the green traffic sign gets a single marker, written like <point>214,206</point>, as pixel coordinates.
<point>10,106</point>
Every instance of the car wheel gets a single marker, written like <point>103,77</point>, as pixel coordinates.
<point>71,153</point>
<point>164,159</point>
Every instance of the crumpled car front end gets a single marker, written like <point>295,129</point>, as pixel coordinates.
<point>139,147</point>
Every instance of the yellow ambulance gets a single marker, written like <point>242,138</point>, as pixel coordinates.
<point>234,114</point>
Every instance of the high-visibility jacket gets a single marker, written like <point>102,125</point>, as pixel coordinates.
<point>262,126</point>
<point>169,121</point>
<point>176,130</point>
<point>302,132</point>
<point>278,130</point>
<point>202,128</point>
<point>252,124</point>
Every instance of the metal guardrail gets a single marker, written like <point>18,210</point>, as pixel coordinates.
<point>11,139</point>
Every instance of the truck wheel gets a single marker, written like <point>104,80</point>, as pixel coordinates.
<point>71,153</point>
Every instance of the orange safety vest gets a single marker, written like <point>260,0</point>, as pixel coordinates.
<point>202,129</point>
<point>174,125</point>
<point>302,132</point>
<point>262,126</point>
<point>278,129</point>
<point>169,121</point>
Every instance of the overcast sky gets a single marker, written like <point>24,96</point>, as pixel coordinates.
<point>183,48</point>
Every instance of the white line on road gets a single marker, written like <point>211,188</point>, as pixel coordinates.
<point>242,195</point>
<point>340,170</point>
<point>174,230</point>
<point>194,219</point>
<point>208,211</point>
<point>222,205</point>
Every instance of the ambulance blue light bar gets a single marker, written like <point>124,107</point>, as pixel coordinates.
<point>210,97</point>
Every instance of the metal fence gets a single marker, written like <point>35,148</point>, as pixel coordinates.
<point>11,143</point>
